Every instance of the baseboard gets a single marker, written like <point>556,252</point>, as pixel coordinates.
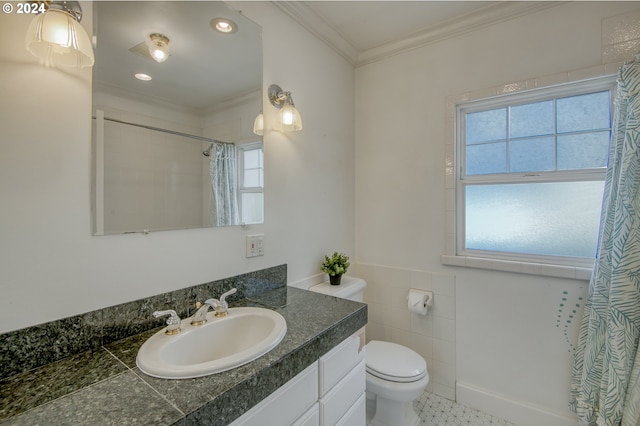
<point>511,410</point>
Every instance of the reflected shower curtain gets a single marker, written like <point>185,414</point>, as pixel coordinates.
<point>224,204</point>
<point>605,388</point>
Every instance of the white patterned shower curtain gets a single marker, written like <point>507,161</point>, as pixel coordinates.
<point>222,169</point>
<point>605,387</point>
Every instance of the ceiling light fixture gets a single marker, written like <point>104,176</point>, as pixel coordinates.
<point>289,116</point>
<point>57,37</point>
<point>158,47</point>
<point>224,25</point>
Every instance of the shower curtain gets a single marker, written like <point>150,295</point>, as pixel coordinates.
<point>605,387</point>
<point>224,204</point>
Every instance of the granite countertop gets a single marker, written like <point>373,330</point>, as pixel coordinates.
<point>105,387</point>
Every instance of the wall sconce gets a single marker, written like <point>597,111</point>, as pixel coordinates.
<point>258,124</point>
<point>158,47</point>
<point>289,116</point>
<point>57,37</point>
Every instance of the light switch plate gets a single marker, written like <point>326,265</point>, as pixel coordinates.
<point>255,245</point>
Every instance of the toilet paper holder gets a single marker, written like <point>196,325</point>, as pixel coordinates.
<point>419,301</point>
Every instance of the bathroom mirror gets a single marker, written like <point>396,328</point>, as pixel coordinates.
<point>174,148</point>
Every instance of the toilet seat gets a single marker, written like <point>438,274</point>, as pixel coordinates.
<point>393,362</point>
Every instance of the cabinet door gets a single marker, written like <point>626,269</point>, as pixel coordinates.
<point>287,403</point>
<point>338,362</point>
<point>310,418</point>
<point>357,415</point>
<point>337,402</point>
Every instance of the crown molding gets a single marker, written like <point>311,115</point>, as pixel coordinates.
<point>317,26</point>
<point>492,14</point>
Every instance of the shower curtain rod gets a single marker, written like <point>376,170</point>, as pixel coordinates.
<point>173,132</point>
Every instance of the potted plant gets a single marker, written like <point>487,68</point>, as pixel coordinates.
<point>335,266</point>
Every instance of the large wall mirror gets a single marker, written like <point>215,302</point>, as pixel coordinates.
<point>173,139</point>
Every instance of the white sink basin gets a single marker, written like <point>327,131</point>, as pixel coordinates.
<point>219,345</point>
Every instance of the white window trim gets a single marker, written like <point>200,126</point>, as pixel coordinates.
<point>600,77</point>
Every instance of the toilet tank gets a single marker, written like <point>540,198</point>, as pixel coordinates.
<point>351,288</point>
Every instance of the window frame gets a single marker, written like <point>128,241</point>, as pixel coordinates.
<point>462,181</point>
<point>240,149</point>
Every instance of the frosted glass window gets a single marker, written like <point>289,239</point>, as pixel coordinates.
<point>582,151</point>
<point>251,182</point>
<point>533,119</point>
<point>253,177</point>
<point>486,126</point>
<point>252,207</point>
<point>529,155</point>
<point>584,112</point>
<point>558,219</point>
<point>556,134</point>
<point>487,158</point>
<point>532,173</point>
<point>253,168</point>
<point>253,159</point>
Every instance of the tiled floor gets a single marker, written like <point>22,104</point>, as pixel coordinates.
<point>435,410</point>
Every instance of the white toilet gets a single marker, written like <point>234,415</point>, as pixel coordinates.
<point>396,375</point>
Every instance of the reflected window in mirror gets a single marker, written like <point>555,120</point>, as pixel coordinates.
<point>251,182</point>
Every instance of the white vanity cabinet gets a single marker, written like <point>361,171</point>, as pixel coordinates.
<point>342,385</point>
<point>329,392</point>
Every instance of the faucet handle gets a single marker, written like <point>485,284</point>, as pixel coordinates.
<point>222,307</point>
<point>224,296</point>
<point>173,322</point>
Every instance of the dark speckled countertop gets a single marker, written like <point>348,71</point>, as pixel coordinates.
<point>105,387</point>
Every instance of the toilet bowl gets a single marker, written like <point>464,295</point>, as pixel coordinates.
<point>396,375</point>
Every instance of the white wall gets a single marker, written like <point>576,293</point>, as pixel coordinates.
<point>512,356</point>
<point>50,265</point>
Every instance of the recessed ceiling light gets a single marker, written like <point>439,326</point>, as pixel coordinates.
<point>143,76</point>
<point>224,25</point>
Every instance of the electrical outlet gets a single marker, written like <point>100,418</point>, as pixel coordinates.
<point>255,245</point>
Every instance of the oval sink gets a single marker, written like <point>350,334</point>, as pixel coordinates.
<point>219,345</point>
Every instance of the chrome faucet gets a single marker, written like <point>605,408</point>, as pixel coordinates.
<point>173,322</point>
<point>200,317</point>
<point>219,306</point>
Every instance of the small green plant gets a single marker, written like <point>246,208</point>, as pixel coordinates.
<point>337,264</point>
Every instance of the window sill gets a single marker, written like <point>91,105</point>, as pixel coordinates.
<point>558,271</point>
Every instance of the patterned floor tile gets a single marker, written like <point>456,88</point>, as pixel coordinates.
<point>435,410</point>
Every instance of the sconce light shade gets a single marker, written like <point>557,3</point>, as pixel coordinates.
<point>289,117</point>
<point>258,124</point>
<point>158,47</point>
<point>57,37</point>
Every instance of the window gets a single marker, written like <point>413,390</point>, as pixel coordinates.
<point>531,169</point>
<point>251,182</point>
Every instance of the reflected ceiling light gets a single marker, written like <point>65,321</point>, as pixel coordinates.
<point>289,117</point>
<point>258,125</point>
<point>224,25</point>
<point>142,76</point>
<point>158,47</point>
<point>57,38</point>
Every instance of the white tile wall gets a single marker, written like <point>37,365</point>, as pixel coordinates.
<point>620,37</point>
<point>432,335</point>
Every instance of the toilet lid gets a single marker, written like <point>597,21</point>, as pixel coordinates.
<point>393,362</point>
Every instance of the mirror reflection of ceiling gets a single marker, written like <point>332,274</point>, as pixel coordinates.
<point>205,67</point>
